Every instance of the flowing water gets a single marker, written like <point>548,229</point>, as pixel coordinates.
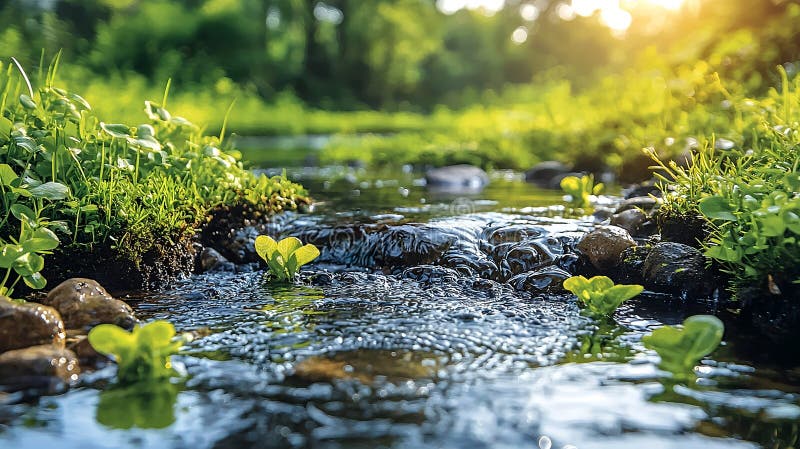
<point>419,327</point>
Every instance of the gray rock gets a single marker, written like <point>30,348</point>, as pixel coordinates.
<point>543,173</point>
<point>457,178</point>
<point>29,324</point>
<point>212,260</point>
<point>678,269</point>
<point>603,246</point>
<point>83,304</point>
<point>631,220</point>
<point>44,366</point>
<point>646,203</point>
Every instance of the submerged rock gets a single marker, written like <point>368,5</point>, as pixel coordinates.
<point>83,304</point>
<point>368,366</point>
<point>678,269</point>
<point>457,178</point>
<point>603,246</point>
<point>547,174</point>
<point>43,366</point>
<point>29,324</point>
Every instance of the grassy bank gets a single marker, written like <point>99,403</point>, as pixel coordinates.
<point>749,193</point>
<point>76,184</point>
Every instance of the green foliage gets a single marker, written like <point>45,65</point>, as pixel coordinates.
<point>580,190</point>
<point>141,355</point>
<point>750,194</point>
<point>284,258</point>
<point>681,348</point>
<point>599,295</point>
<point>113,184</point>
<point>23,256</point>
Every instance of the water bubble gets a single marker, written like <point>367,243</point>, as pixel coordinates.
<point>545,442</point>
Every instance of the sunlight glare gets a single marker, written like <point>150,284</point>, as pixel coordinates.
<point>520,35</point>
<point>453,6</point>
<point>617,19</point>
<point>673,5</point>
<point>529,12</point>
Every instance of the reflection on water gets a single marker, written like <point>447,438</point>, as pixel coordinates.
<point>290,310</point>
<point>149,405</point>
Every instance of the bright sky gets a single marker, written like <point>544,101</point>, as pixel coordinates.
<point>614,13</point>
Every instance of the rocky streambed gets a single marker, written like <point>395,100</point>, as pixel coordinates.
<point>431,319</point>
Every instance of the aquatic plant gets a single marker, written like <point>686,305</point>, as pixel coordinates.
<point>682,347</point>
<point>284,258</point>
<point>580,190</point>
<point>598,295</point>
<point>142,354</point>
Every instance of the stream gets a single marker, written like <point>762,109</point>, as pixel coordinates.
<point>418,328</point>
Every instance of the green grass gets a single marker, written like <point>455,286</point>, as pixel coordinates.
<point>123,186</point>
<point>750,193</point>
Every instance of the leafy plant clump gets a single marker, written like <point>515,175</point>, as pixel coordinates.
<point>580,190</point>
<point>681,348</point>
<point>599,296</point>
<point>68,176</point>
<point>750,194</point>
<point>143,354</point>
<point>285,258</point>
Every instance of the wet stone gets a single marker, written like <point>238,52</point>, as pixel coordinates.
<point>544,173</point>
<point>83,304</point>
<point>457,178</point>
<point>603,246</point>
<point>678,269</point>
<point>645,203</point>
<point>631,265</point>
<point>212,260</point>
<point>632,220</point>
<point>44,366</point>
<point>85,352</point>
<point>29,324</point>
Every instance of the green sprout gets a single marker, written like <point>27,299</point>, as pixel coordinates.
<point>284,258</point>
<point>142,355</point>
<point>598,295</point>
<point>580,190</point>
<point>681,348</point>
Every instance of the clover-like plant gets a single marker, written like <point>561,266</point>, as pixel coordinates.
<point>284,258</point>
<point>580,190</point>
<point>682,347</point>
<point>598,295</point>
<point>143,354</point>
